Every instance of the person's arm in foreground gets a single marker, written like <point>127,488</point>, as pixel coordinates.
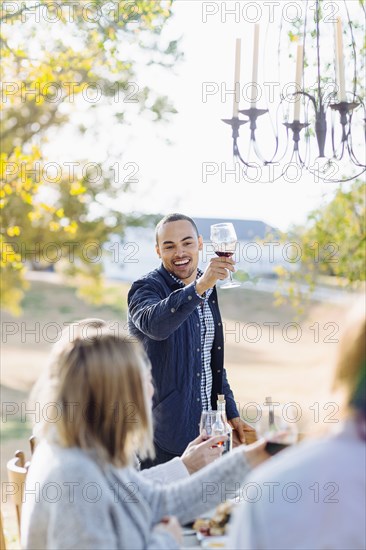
<point>187,499</point>
<point>198,454</point>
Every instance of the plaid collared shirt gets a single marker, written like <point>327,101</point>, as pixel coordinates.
<point>207,338</point>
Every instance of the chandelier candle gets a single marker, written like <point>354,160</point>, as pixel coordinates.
<point>340,61</point>
<point>255,66</point>
<point>298,81</point>
<point>237,77</point>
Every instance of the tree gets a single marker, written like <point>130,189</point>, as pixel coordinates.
<point>60,58</point>
<point>332,243</point>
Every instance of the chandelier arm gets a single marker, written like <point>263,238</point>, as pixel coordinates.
<point>253,113</point>
<point>347,179</point>
<point>279,50</point>
<point>283,171</point>
<point>307,135</point>
<point>336,154</point>
<point>258,153</point>
<point>323,178</point>
<point>362,104</point>
<point>238,155</point>
<point>343,146</point>
<point>309,96</point>
<point>353,156</point>
<point>301,162</point>
<point>349,134</point>
<point>332,135</point>
<point>277,134</point>
<point>328,180</point>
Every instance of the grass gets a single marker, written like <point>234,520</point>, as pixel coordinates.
<point>15,429</point>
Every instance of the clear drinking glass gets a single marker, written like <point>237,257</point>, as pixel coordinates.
<point>224,239</point>
<point>208,423</point>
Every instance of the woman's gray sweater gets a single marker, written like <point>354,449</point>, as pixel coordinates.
<point>72,502</point>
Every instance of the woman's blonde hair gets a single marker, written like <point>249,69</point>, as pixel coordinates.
<point>98,388</point>
<point>351,363</point>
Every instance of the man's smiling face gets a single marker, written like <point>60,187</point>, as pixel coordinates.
<point>178,247</point>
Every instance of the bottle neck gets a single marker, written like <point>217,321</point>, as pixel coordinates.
<point>219,417</point>
<point>221,408</point>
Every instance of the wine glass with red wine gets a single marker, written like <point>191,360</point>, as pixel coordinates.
<point>224,239</point>
<point>279,432</point>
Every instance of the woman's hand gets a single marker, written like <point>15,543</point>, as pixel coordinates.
<point>171,525</point>
<point>201,452</point>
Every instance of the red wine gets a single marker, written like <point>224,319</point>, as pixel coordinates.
<point>273,448</point>
<point>224,254</point>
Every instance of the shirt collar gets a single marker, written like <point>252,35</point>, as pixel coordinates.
<point>179,281</point>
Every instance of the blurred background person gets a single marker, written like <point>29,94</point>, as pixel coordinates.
<point>312,496</point>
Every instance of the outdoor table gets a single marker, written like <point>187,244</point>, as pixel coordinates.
<point>190,541</point>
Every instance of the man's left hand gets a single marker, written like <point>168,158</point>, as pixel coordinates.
<point>242,432</point>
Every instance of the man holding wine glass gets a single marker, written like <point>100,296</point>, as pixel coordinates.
<point>173,311</point>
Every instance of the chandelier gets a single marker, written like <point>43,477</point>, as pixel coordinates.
<point>321,132</point>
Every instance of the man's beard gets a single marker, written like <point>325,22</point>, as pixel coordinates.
<point>183,277</point>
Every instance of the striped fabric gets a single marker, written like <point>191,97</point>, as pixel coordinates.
<point>207,338</point>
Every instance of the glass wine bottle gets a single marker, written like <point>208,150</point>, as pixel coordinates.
<point>218,428</point>
<point>221,408</point>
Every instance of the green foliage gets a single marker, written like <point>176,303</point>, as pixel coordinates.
<point>326,21</point>
<point>333,244</point>
<point>51,57</point>
<point>341,225</point>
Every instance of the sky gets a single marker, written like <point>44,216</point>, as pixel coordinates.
<point>199,136</point>
<point>187,165</point>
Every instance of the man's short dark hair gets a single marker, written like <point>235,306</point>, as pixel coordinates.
<point>174,218</point>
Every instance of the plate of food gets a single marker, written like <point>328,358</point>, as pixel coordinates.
<point>211,531</point>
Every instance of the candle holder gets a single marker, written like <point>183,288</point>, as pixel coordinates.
<point>296,126</point>
<point>344,108</point>
<point>235,124</point>
<point>316,112</point>
<point>316,109</point>
<point>253,113</point>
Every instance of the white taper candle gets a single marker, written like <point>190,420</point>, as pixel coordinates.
<point>255,66</point>
<point>340,61</point>
<point>237,77</point>
<point>298,80</point>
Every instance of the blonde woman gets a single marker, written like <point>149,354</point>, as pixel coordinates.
<point>82,491</point>
<point>199,452</point>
